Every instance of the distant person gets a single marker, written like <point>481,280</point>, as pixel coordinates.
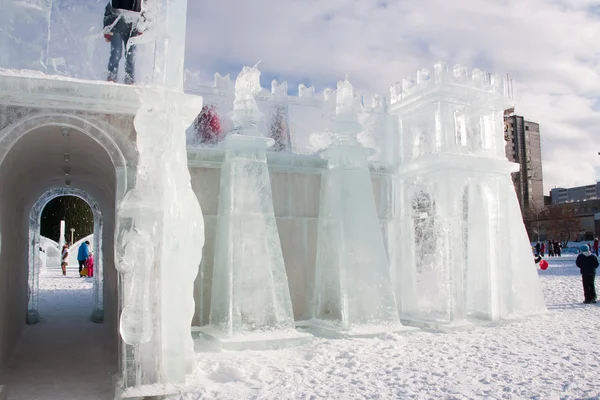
<point>588,263</point>
<point>82,255</point>
<point>89,264</point>
<point>558,249</point>
<point>596,243</point>
<point>550,249</point>
<point>64,259</point>
<point>543,248</point>
<point>119,27</point>
<point>538,249</point>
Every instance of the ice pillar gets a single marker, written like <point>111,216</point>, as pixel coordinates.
<point>161,48</point>
<point>61,239</point>
<point>250,293</point>
<point>353,292</point>
<point>160,245</point>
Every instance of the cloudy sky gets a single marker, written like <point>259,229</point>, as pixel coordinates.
<point>551,49</point>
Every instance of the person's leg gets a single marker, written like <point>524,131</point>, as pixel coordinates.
<point>81,265</point>
<point>116,52</point>
<point>586,288</point>
<point>129,61</point>
<point>592,289</point>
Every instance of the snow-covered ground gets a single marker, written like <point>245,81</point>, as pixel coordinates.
<point>64,357</point>
<point>547,357</point>
<point>552,356</point>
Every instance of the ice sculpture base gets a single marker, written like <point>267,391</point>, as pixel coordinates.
<point>325,329</point>
<point>251,341</point>
<point>438,326</point>
<point>146,392</point>
<point>97,316</point>
<point>33,317</point>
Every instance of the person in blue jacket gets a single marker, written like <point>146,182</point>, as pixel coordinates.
<point>83,254</point>
<point>588,263</point>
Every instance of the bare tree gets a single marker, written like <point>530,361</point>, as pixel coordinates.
<point>563,223</point>
<point>533,219</point>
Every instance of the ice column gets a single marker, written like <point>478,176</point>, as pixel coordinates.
<point>161,234</point>
<point>161,228</point>
<point>353,291</point>
<point>250,305</point>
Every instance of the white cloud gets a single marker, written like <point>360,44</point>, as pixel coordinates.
<point>550,48</point>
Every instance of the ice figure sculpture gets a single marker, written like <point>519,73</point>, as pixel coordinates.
<point>161,234</point>
<point>456,205</point>
<point>353,294</point>
<point>250,306</point>
<point>161,227</point>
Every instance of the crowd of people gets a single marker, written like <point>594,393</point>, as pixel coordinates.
<point>554,248</point>
<point>85,259</point>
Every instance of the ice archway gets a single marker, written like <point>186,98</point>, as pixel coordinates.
<point>32,148</point>
<point>34,254</point>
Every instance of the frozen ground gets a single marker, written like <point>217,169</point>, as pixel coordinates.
<point>551,356</point>
<point>65,357</point>
<point>548,357</point>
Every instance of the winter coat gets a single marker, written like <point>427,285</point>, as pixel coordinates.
<point>114,21</point>
<point>587,263</point>
<point>83,253</point>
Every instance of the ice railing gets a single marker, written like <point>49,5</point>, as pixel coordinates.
<point>66,38</point>
<point>56,37</point>
<point>299,124</point>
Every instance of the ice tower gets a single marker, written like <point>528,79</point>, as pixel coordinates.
<point>456,207</point>
<point>353,293</point>
<point>250,304</point>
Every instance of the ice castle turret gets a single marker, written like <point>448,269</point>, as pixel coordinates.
<point>455,204</point>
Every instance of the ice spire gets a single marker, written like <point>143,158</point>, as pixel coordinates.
<point>353,291</point>
<point>251,305</point>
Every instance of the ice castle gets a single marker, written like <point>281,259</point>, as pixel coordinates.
<point>249,218</point>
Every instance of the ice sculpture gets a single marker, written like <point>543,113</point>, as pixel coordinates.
<point>456,204</point>
<point>353,293</point>
<point>250,304</point>
<point>161,228</point>
<point>161,234</point>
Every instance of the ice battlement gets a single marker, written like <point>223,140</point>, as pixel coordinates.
<point>223,85</point>
<point>444,77</point>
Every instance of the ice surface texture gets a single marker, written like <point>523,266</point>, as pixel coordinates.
<point>353,286</point>
<point>250,288</point>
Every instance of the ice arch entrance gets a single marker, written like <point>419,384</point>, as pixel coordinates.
<point>32,149</point>
<point>34,253</point>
